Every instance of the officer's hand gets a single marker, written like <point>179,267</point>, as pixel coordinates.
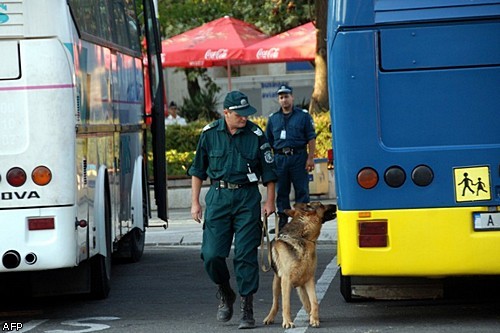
<point>267,211</point>
<point>196,212</point>
<point>310,164</point>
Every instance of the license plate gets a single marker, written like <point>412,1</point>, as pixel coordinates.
<point>487,221</point>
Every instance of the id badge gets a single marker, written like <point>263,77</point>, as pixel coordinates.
<point>283,135</point>
<point>252,177</point>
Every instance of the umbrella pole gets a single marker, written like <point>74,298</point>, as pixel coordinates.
<point>229,75</point>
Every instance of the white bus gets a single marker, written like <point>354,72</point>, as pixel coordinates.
<point>73,177</point>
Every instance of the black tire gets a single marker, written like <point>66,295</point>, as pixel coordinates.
<point>137,238</point>
<point>100,277</point>
<point>131,246</point>
<point>345,287</point>
<point>100,266</point>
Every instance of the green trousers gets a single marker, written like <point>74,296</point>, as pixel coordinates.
<point>233,213</point>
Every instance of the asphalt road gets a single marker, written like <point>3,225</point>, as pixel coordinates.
<point>168,291</point>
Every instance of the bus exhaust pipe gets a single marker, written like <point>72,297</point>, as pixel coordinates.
<point>30,258</point>
<point>11,259</point>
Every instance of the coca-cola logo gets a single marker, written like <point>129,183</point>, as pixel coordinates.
<point>216,54</point>
<point>272,53</point>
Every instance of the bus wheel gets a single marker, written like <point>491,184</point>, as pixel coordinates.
<point>345,287</point>
<point>137,237</point>
<point>100,277</point>
<point>100,265</point>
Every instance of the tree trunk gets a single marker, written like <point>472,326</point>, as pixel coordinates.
<point>319,98</point>
<point>193,85</point>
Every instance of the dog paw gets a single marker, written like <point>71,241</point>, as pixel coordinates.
<point>314,323</point>
<point>288,324</point>
<point>268,320</point>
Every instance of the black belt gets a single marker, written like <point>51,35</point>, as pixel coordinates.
<point>230,186</point>
<point>288,151</point>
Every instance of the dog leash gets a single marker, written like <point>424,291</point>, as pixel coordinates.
<point>265,234</point>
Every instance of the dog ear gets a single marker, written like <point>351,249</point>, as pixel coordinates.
<point>290,212</point>
<point>330,213</point>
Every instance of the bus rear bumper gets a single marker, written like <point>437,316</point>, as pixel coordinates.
<point>48,247</point>
<point>420,243</point>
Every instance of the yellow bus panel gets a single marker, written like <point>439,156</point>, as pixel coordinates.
<point>420,242</point>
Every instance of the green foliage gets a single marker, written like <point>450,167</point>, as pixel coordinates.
<point>274,16</point>
<point>179,16</point>
<point>202,106</point>
<point>323,133</point>
<point>178,162</point>
<point>271,16</point>
<point>183,138</point>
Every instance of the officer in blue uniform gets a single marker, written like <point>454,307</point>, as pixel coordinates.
<point>235,154</point>
<point>291,133</point>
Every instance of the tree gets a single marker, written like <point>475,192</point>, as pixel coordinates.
<point>271,16</point>
<point>319,98</point>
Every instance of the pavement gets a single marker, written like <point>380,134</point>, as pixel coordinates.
<point>181,229</point>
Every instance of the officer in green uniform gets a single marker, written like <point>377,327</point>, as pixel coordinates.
<point>235,154</point>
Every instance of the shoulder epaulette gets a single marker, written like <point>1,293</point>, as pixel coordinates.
<point>256,129</point>
<point>209,126</point>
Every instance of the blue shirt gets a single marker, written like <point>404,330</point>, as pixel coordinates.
<point>299,127</point>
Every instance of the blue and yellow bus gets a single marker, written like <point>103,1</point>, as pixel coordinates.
<point>415,108</point>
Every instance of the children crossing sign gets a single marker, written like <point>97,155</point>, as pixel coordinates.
<point>472,183</point>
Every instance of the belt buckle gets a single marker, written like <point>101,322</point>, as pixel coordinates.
<point>288,151</point>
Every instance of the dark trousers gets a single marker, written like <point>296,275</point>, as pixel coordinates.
<point>233,213</point>
<point>291,170</point>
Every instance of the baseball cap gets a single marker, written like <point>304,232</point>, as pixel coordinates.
<point>284,89</point>
<point>238,101</point>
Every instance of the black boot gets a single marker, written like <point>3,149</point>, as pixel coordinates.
<point>227,298</point>
<point>283,220</point>
<point>247,320</point>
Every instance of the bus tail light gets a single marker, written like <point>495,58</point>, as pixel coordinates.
<point>41,175</point>
<point>41,223</point>
<point>367,178</point>
<point>16,177</point>
<point>422,175</point>
<point>373,233</point>
<point>395,176</point>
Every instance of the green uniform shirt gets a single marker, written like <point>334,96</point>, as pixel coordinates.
<point>222,156</point>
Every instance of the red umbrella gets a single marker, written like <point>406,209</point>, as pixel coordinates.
<point>297,44</point>
<point>216,43</point>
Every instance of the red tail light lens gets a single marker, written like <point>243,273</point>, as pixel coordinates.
<point>41,223</point>
<point>16,177</point>
<point>41,175</point>
<point>367,178</point>
<point>373,234</point>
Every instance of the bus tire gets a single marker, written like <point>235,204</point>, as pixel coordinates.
<point>100,265</point>
<point>131,246</point>
<point>100,277</point>
<point>137,237</point>
<point>345,287</point>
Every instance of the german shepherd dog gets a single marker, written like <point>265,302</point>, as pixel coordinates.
<point>293,259</point>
